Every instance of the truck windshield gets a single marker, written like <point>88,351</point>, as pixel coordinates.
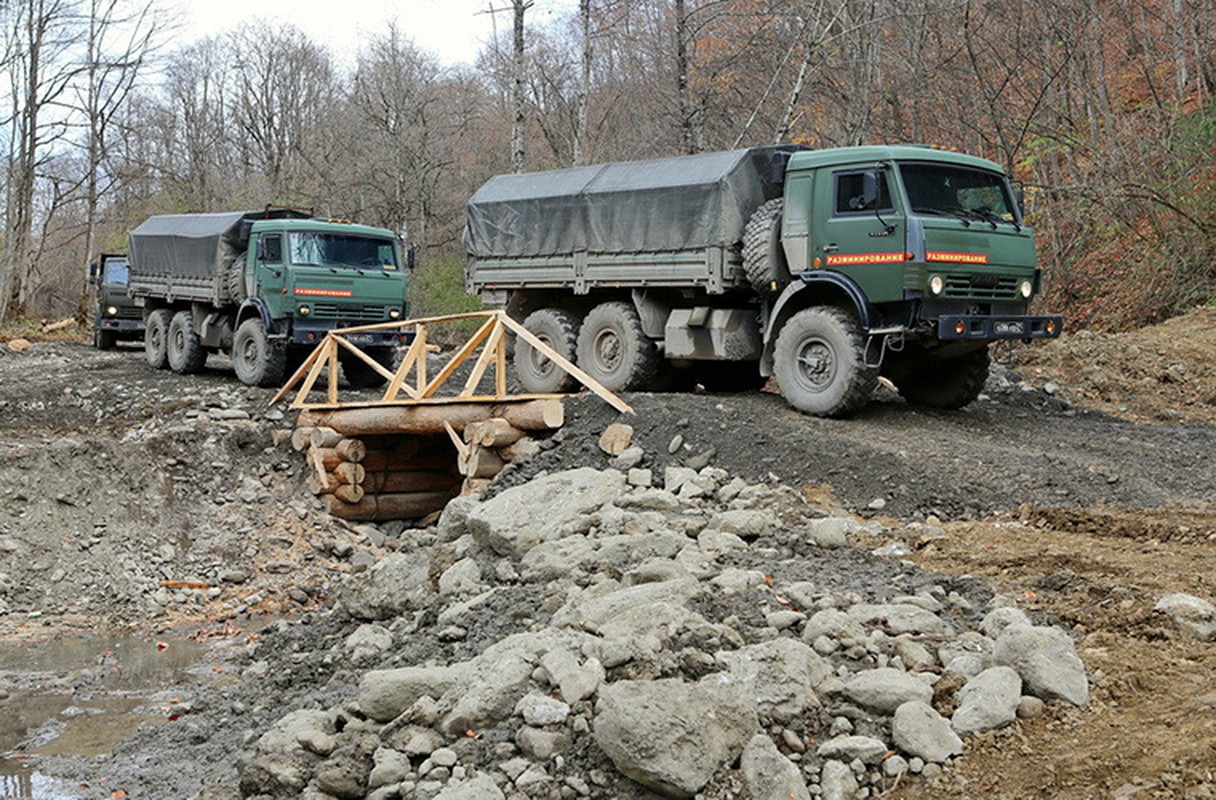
<point>115,272</point>
<point>311,249</point>
<point>958,191</point>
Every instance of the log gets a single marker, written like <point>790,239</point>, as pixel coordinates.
<point>281,436</point>
<point>351,449</point>
<point>301,439</point>
<point>398,482</point>
<point>615,438</point>
<point>481,462</point>
<point>349,493</point>
<point>344,474</point>
<point>528,415</point>
<point>58,326</point>
<point>403,505</point>
<point>429,461</point>
<point>494,432</point>
<point>524,448</point>
<point>325,437</point>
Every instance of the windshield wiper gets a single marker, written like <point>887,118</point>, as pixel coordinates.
<point>992,219</point>
<point>937,212</point>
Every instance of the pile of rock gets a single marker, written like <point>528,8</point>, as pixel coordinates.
<point>588,634</point>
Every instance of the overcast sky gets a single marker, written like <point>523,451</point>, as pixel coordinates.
<point>455,30</point>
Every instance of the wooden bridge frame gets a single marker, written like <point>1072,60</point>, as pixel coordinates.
<point>490,339</point>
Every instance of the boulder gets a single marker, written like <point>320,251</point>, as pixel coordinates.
<point>280,764</point>
<point>768,774</point>
<point>399,583</point>
<point>1046,660</point>
<point>836,782</point>
<point>987,701</point>
<point>518,519</point>
<point>462,578</point>
<point>1190,614</point>
<point>367,643</point>
<point>1001,618</point>
<point>384,694</point>
<point>672,736</point>
<point>539,710</point>
<point>835,624</point>
<point>574,680</point>
<point>781,673</point>
<point>866,749</point>
<point>480,788</point>
<point>901,618</point>
<point>744,523</point>
<point>886,689</point>
<point>920,731</point>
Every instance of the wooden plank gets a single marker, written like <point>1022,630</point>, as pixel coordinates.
<point>500,366</point>
<point>588,381</point>
<point>462,450</point>
<point>488,353</point>
<point>332,354</point>
<point>397,384</point>
<point>314,372</point>
<point>459,358</point>
<point>314,456</point>
<point>365,358</point>
<point>420,336</point>
<point>295,377</point>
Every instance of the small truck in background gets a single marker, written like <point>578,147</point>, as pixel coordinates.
<point>264,287</point>
<point>825,268</point>
<point>116,318</point>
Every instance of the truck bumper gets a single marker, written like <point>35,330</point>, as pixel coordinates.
<point>984,328</point>
<point>134,327</point>
<point>313,332</point>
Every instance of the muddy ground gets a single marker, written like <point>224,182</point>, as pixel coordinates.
<point>133,500</point>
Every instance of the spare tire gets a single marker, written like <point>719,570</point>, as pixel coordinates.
<point>763,256</point>
<point>234,278</point>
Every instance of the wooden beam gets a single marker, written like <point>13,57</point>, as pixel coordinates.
<point>372,420</point>
<point>295,377</point>
<point>332,356</point>
<point>459,358</point>
<point>371,362</point>
<point>588,381</point>
<point>488,353</point>
<point>397,384</point>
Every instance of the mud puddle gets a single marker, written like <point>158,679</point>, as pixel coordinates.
<point>81,696</point>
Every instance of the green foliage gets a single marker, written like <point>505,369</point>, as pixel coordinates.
<point>437,288</point>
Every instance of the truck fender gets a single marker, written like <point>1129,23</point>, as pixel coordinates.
<point>255,307</point>
<point>812,288</point>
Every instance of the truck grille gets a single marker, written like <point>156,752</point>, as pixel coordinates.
<point>981,287</point>
<point>129,313</point>
<point>349,313</point>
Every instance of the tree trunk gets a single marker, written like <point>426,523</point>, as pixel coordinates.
<point>517,85</point>
<point>584,87</point>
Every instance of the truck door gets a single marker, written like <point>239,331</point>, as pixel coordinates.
<point>860,240</point>
<point>270,270</point>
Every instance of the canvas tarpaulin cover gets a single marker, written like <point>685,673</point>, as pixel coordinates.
<point>681,203</point>
<point>193,245</point>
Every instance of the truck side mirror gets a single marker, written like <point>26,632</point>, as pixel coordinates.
<point>870,189</point>
<point>411,258</point>
<point>93,273</point>
<point>1019,197</point>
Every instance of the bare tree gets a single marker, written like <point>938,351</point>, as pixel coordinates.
<point>518,70</point>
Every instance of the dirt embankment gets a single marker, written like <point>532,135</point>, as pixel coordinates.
<point>134,498</point>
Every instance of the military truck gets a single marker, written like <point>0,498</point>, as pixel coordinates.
<point>264,287</point>
<point>116,317</point>
<point>825,268</point>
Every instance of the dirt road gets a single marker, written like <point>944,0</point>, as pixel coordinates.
<point>135,498</point>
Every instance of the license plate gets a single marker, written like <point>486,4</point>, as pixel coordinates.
<point>360,338</point>
<point>1009,327</point>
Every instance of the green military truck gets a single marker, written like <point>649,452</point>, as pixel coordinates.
<point>264,287</point>
<point>826,268</point>
<point>116,318</point>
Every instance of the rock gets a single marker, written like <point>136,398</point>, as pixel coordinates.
<point>444,757</point>
<point>639,477</point>
<point>835,624</point>
<point>968,643</point>
<point>341,781</point>
<point>388,766</point>
<point>367,643</point>
<point>454,521</point>
<point>829,532</point>
<point>768,774</point>
<point>575,681</point>
<point>480,788</point>
<point>395,585</point>
<point>384,694</point>
<point>914,654</point>
<point>629,458</point>
<point>462,578</point>
<point>781,673</point>
<point>518,519</point>
<point>920,731</point>
<point>1030,707</point>
<point>894,766</point>
<point>415,740</point>
<point>539,710</point>
<point>676,443</point>
<point>672,736</point>
<point>987,701</point>
<point>1046,661</point>
<point>884,690</point>
<point>1190,614</point>
<point>836,782</point>
<point>744,523</point>
<point>279,761</point>
<point>866,749</point>
<point>702,459</point>
<point>616,438</point>
<point>541,745</point>
<point>635,621</point>
<point>1001,618</point>
<point>901,618</point>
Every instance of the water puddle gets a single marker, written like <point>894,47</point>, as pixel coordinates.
<point>81,696</point>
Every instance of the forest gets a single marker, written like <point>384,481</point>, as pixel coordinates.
<point>1102,109</point>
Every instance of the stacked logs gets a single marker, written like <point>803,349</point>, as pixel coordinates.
<point>383,463</point>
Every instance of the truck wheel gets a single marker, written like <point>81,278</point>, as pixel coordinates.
<point>952,383</point>
<point>820,363</point>
<point>613,349</point>
<point>257,360</point>
<point>105,340</point>
<point>183,349</point>
<point>359,375</point>
<point>537,373</point>
<point>156,338</point>
<point>763,256</point>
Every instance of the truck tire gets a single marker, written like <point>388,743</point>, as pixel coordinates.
<point>359,375</point>
<point>763,256</point>
<point>258,361</point>
<point>183,350</point>
<point>950,384</point>
<point>156,338</point>
<point>613,349</point>
<point>536,372</point>
<point>234,278</point>
<point>105,340</point>
<point>819,360</point>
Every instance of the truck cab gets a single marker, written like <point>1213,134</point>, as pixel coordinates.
<point>116,317</point>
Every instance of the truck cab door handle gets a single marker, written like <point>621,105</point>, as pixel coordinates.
<point>831,248</point>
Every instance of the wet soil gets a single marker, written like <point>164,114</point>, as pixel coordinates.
<point>150,491</point>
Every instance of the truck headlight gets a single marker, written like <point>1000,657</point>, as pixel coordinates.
<point>304,310</point>
<point>936,284</point>
<point>1027,289</point>
<point>111,311</point>
<point>394,313</point>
